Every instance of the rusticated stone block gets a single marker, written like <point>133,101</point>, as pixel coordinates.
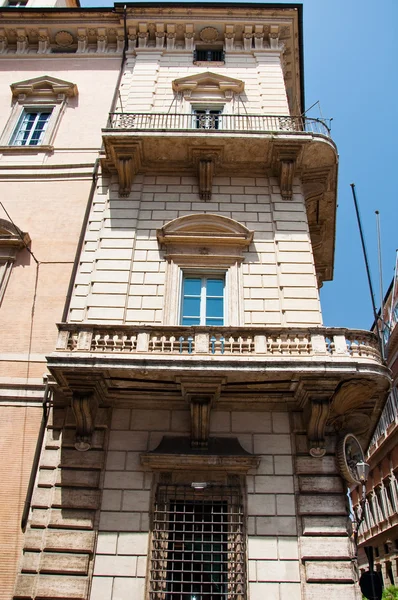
<point>51,586</point>
<point>42,497</point>
<point>50,458</point>
<point>72,498</point>
<point>33,539</point>
<point>25,586</point>
<point>93,459</point>
<point>325,547</point>
<point>331,592</point>
<point>329,571</point>
<point>71,518</point>
<point>31,562</point>
<point>315,466</point>
<point>39,517</point>
<point>69,541</point>
<point>322,505</point>
<point>321,484</point>
<point>77,478</point>
<point>76,564</point>
<point>324,525</point>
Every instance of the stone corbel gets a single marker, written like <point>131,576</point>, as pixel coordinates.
<point>159,35</point>
<point>3,41</point>
<point>200,395</point>
<point>132,39</point>
<point>205,161</point>
<point>82,40</point>
<point>170,40</point>
<point>22,41</point>
<point>84,406</point>
<point>126,159</point>
<point>43,42</point>
<point>102,41</point>
<point>143,35</point>
<point>274,37</point>
<point>259,37</point>
<point>319,412</point>
<point>120,40</point>
<point>285,159</point>
<point>248,38</point>
<point>229,37</point>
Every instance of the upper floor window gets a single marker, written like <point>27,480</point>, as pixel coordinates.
<point>207,118</point>
<point>17,3</point>
<point>203,300</point>
<point>31,127</point>
<point>38,105</point>
<point>209,55</point>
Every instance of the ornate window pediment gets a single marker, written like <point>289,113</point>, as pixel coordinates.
<point>43,88</point>
<point>208,85</point>
<point>204,246</point>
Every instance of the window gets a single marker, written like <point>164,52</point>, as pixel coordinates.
<point>209,55</point>
<point>198,545</point>
<point>203,300</point>
<point>12,240</point>
<point>31,127</point>
<point>38,105</point>
<point>17,3</point>
<point>207,118</point>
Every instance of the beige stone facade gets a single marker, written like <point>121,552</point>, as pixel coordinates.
<point>187,451</point>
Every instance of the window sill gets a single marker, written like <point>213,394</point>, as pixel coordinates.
<point>26,149</point>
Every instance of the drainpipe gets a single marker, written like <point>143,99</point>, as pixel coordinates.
<point>36,458</point>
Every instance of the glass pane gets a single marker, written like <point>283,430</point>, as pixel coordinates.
<point>191,307</point>
<point>214,321</point>
<point>192,286</point>
<point>190,321</point>
<point>215,307</point>
<point>215,287</point>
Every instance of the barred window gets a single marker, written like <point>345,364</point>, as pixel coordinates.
<point>198,544</point>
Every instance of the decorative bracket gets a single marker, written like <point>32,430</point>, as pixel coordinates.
<point>125,156</point>
<point>200,395</point>
<point>316,427</point>
<point>84,406</point>
<point>206,161</point>
<point>284,159</point>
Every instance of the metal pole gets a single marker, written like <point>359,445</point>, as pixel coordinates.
<point>372,297</point>
<point>380,277</point>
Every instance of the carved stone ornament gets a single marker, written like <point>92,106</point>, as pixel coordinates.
<point>84,406</point>
<point>63,39</point>
<point>209,35</point>
<point>349,453</point>
<point>316,427</point>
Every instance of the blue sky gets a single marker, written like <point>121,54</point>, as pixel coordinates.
<point>350,66</point>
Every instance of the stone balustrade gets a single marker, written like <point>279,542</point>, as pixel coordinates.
<point>274,343</point>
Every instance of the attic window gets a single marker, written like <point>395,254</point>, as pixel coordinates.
<point>209,55</point>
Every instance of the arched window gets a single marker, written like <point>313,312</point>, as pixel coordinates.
<point>203,277</point>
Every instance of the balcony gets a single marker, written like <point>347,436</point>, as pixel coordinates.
<point>206,145</point>
<point>327,372</point>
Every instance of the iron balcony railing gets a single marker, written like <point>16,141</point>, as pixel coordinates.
<point>207,123</point>
<point>388,416</point>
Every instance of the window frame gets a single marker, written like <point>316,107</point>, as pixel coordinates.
<point>46,94</point>
<point>28,110</point>
<point>203,275</point>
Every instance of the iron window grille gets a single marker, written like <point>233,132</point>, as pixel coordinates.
<point>208,55</point>
<point>198,544</point>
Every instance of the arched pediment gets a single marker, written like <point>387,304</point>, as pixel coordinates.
<point>208,229</point>
<point>12,239</point>
<point>208,83</point>
<point>43,87</point>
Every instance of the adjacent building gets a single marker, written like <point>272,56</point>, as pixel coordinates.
<point>380,525</point>
<point>169,217</point>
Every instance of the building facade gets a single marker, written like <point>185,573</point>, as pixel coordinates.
<point>379,528</point>
<point>171,210</point>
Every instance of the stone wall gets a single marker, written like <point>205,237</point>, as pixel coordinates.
<point>122,272</point>
<point>124,538</point>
